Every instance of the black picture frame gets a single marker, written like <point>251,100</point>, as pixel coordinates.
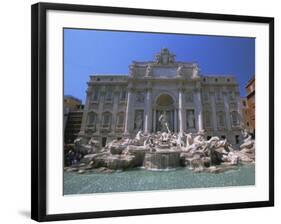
<point>39,122</point>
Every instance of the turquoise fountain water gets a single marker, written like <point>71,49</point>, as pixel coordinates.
<point>146,180</point>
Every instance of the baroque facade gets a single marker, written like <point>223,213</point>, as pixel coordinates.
<point>118,105</point>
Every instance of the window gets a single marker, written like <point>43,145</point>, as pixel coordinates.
<point>96,95</point>
<point>207,119</point>
<point>106,121</point>
<point>92,121</point>
<point>108,95</point>
<point>231,95</point>
<point>189,97</point>
<point>237,139</point>
<point>120,119</point>
<point>103,141</point>
<point>218,95</point>
<point>234,118</point>
<point>205,95</point>
<point>92,118</point>
<point>123,94</point>
<point>138,124</point>
<point>221,119</point>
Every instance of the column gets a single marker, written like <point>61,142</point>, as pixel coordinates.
<point>175,121</point>
<point>115,112</point>
<point>154,120</point>
<point>180,112</point>
<point>226,108</point>
<point>198,109</point>
<point>100,111</point>
<point>214,112</point>
<point>238,99</point>
<point>147,112</point>
<point>128,112</point>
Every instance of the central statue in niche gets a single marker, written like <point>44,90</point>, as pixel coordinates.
<point>164,122</point>
<point>190,119</point>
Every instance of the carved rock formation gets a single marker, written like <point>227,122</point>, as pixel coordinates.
<point>164,151</point>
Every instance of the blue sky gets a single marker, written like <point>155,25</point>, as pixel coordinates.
<point>89,52</point>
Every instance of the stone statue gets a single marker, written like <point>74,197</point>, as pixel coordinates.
<point>164,137</point>
<point>165,57</point>
<point>247,137</point>
<point>172,59</point>
<point>189,97</point>
<point>139,136</point>
<point>140,97</point>
<point>93,142</point>
<point>149,141</point>
<point>77,141</point>
<point>164,122</point>
<point>190,119</point>
<point>195,72</point>
<point>164,150</point>
<point>248,142</point>
<point>179,70</point>
<point>132,68</point>
<point>179,141</point>
<point>199,140</point>
<point>158,59</point>
<point>148,71</point>
<point>189,140</point>
<point>138,121</point>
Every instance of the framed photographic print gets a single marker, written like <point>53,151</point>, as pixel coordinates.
<point>139,111</point>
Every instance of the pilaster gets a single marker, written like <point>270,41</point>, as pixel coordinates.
<point>115,110</point>
<point>148,112</point>
<point>128,110</point>
<point>100,109</point>
<point>180,111</point>
<point>175,120</point>
<point>227,114</point>
<point>214,113</point>
<point>154,120</point>
<point>198,109</point>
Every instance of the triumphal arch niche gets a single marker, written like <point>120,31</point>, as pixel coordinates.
<point>161,91</point>
<point>165,109</point>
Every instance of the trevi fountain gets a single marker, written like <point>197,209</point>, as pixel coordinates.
<point>159,161</point>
